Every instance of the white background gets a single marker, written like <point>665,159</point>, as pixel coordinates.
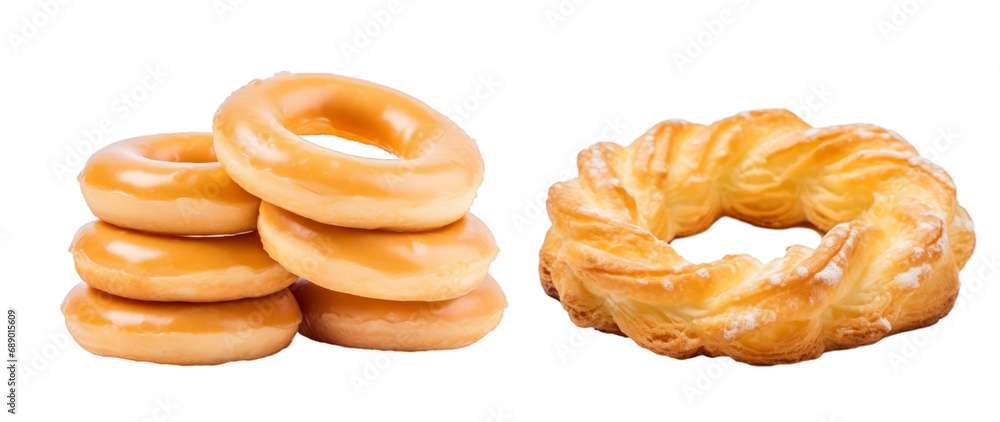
<point>551,78</point>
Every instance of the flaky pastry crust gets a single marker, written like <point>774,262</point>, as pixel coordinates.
<point>895,238</point>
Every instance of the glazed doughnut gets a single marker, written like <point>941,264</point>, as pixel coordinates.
<point>170,184</point>
<point>432,184</point>
<point>427,266</point>
<point>895,238</point>
<point>360,322</point>
<point>165,268</point>
<point>180,333</point>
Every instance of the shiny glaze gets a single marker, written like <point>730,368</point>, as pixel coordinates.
<point>391,253</point>
<point>94,307</point>
<point>484,301</point>
<point>437,157</point>
<point>163,167</point>
<point>257,135</point>
<point>160,255</point>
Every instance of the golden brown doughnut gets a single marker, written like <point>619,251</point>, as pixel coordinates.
<point>433,265</point>
<point>170,184</point>
<point>180,333</point>
<point>165,268</point>
<point>432,184</point>
<point>355,321</point>
<point>895,238</point>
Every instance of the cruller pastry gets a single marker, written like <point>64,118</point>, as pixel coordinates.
<point>438,264</point>
<point>895,238</point>
<point>168,183</point>
<point>432,184</point>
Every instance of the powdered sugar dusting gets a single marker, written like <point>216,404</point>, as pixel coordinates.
<point>703,273</point>
<point>911,278</point>
<point>802,271</point>
<point>774,279</point>
<point>885,324</point>
<point>830,275</point>
<point>596,165</point>
<point>742,324</point>
<point>667,284</point>
<point>597,161</point>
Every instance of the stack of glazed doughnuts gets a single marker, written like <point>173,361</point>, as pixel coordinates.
<point>173,269</point>
<point>393,259</point>
<point>176,272</point>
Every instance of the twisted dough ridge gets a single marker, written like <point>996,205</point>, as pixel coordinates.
<point>895,238</point>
